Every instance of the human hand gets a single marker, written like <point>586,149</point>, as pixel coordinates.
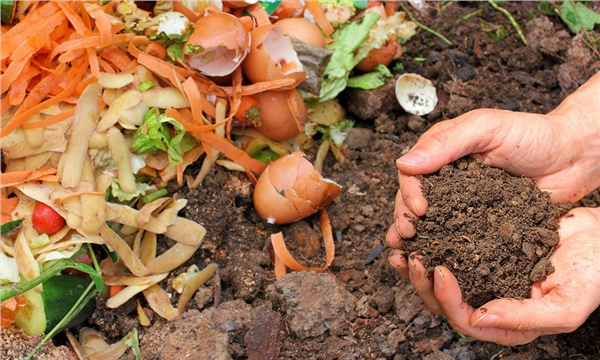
<point>558,304</point>
<point>558,150</point>
<point>542,147</point>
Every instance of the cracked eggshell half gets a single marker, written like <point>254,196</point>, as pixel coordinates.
<point>219,44</point>
<point>416,94</point>
<point>290,189</point>
<point>271,57</point>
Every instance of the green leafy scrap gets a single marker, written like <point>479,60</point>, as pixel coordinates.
<point>577,16</point>
<point>163,133</point>
<point>371,80</point>
<point>345,41</point>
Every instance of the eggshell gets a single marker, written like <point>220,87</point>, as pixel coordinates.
<point>303,30</point>
<point>277,119</point>
<point>383,56</point>
<point>416,94</point>
<point>220,52</point>
<point>272,57</point>
<point>290,189</point>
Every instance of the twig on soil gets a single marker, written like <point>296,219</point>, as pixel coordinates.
<point>469,15</point>
<point>510,18</point>
<point>412,18</point>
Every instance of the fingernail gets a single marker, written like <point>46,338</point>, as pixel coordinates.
<point>397,227</point>
<point>411,204</point>
<point>487,320</point>
<point>438,279</point>
<point>412,159</point>
<point>413,270</point>
<point>395,253</point>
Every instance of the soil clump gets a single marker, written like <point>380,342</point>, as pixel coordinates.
<point>494,231</point>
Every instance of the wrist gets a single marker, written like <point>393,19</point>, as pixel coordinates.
<point>578,117</point>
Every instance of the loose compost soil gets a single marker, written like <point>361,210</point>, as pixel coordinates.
<point>494,231</point>
<point>360,308</point>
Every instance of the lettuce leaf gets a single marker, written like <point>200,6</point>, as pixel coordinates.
<point>345,41</point>
<point>155,135</point>
<point>371,80</point>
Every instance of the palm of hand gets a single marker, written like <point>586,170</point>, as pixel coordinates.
<point>558,304</point>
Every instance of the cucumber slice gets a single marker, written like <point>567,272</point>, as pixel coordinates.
<point>32,318</point>
<point>7,11</point>
<point>61,292</point>
<point>45,310</point>
<point>8,227</point>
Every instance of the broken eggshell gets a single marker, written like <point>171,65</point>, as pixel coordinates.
<point>282,114</point>
<point>416,94</point>
<point>271,57</point>
<point>290,189</point>
<point>217,53</point>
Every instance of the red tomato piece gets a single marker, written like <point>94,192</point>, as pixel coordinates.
<point>46,220</point>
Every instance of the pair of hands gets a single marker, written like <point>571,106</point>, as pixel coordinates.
<point>552,150</point>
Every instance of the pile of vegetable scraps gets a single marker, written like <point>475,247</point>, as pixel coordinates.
<point>106,103</point>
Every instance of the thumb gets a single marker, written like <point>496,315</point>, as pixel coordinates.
<point>448,141</point>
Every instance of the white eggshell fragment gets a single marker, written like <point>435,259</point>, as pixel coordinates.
<point>416,94</point>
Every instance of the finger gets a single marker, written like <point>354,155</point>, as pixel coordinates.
<point>417,275</point>
<point>450,140</point>
<point>402,218</point>
<point>551,314</point>
<point>397,259</point>
<point>459,313</point>
<point>393,238</point>
<point>412,195</point>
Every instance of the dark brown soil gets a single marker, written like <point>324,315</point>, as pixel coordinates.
<point>360,308</point>
<point>494,231</point>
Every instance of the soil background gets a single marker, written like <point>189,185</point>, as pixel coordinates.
<point>360,308</point>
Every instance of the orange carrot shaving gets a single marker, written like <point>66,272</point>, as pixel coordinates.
<point>115,289</point>
<point>7,206</point>
<point>173,73</point>
<point>116,56</point>
<point>157,50</point>
<point>50,121</point>
<point>76,194</point>
<point>18,89</point>
<point>33,107</point>
<point>315,8</point>
<point>284,258</point>
<point>234,153</point>
<point>19,177</point>
<point>247,105</point>
<point>9,309</point>
<point>194,97</point>
<point>261,86</point>
<point>93,61</point>
<point>188,123</point>
<point>102,24</point>
<point>292,101</point>
<point>189,14</point>
<point>74,19</point>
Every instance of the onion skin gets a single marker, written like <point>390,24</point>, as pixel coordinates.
<point>290,189</point>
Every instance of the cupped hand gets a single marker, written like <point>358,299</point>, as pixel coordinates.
<point>558,304</point>
<point>545,148</point>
